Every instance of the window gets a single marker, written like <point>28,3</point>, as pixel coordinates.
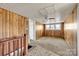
<point>57,26</point>
<point>49,27</point>
<point>53,26</point>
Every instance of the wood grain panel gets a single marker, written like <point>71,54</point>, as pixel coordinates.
<point>49,33</point>
<point>7,23</point>
<point>70,31</point>
<point>15,25</point>
<point>12,24</point>
<point>55,33</point>
<point>1,23</point>
<point>39,30</point>
<point>19,25</point>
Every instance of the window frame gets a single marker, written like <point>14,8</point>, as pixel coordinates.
<point>52,26</point>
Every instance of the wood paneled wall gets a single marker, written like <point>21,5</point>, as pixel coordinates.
<point>12,25</point>
<point>55,33</point>
<point>49,33</point>
<point>70,30</point>
<point>39,30</point>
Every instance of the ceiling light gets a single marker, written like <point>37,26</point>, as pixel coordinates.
<point>48,12</point>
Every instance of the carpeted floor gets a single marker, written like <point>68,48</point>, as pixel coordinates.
<point>47,46</point>
<point>40,51</point>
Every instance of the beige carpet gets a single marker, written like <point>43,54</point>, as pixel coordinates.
<point>40,51</point>
<point>47,46</point>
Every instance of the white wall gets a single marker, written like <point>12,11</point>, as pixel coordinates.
<point>30,29</point>
<point>32,32</point>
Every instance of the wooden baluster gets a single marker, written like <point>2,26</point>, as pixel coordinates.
<point>17,47</point>
<point>21,46</point>
<point>24,44</point>
<point>13,48</point>
<point>9,48</point>
<point>2,49</point>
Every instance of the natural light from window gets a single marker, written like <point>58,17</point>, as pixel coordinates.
<point>57,26</point>
<point>53,26</point>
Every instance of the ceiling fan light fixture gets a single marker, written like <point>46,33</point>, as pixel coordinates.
<point>48,13</point>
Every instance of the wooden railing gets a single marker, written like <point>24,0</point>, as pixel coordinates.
<point>13,46</point>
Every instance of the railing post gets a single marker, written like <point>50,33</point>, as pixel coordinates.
<point>21,46</point>
<point>24,44</point>
<point>2,49</point>
<point>9,48</point>
<point>18,48</point>
<point>13,48</point>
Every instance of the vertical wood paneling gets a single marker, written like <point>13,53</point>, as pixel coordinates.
<point>12,24</point>
<point>3,23</point>
<point>19,25</point>
<point>1,11</point>
<point>50,33</point>
<point>15,24</point>
<point>55,33</point>
<point>7,23</point>
<point>70,30</point>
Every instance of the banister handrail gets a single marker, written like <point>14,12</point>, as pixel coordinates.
<point>10,38</point>
<point>17,39</point>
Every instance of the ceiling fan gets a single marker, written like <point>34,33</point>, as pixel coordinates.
<point>48,12</point>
